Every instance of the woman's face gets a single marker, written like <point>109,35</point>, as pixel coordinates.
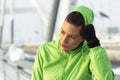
<point>70,36</point>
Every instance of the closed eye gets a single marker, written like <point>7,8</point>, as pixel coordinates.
<point>73,37</point>
<point>62,31</point>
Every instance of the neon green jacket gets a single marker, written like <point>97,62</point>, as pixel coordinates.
<point>52,63</point>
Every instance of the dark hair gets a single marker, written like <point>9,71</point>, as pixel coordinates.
<point>75,18</point>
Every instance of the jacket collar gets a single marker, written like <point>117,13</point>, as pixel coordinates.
<point>82,47</point>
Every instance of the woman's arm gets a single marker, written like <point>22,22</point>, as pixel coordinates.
<point>37,72</point>
<point>100,65</point>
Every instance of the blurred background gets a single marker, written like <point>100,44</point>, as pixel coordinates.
<point>26,24</point>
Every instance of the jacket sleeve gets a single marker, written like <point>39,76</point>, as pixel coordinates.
<point>100,65</point>
<point>37,73</point>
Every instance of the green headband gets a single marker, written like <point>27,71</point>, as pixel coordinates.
<point>87,14</point>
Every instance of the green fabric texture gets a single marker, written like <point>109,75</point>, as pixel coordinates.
<point>87,14</point>
<point>52,63</point>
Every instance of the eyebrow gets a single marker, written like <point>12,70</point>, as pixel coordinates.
<point>69,34</point>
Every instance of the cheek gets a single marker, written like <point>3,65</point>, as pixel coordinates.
<point>73,43</point>
<point>77,42</point>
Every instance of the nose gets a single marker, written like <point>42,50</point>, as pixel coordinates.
<point>65,39</point>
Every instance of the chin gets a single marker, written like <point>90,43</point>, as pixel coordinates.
<point>63,49</point>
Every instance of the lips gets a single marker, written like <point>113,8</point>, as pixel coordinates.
<point>63,46</point>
